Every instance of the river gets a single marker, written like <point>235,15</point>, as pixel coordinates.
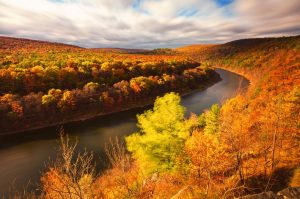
<point>23,156</point>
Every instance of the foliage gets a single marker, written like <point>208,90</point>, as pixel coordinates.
<point>162,134</point>
<point>70,176</point>
<point>226,152</point>
<point>67,80</point>
<point>210,121</point>
<point>209,161</point>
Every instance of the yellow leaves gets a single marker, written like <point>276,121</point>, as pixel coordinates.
<point>205,151</point>
<point>52,97</point>
<point>91,87</point>
<point>236,104</point>
<point>51,71</point>
<point>234,117</point>
<point>141,83</point>
<point>37,70</point>
<point>161,137</point>
<point>55,92</point>
<point>192,122</point>
<point>209,161</point>
<point>67,95</point>
<point>106,66</point>
<point>48,99</point>
<point>68,99</point>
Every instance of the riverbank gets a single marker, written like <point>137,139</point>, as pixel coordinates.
<point>26,153</point>
<point>267,114</point>
<point>79,117</point>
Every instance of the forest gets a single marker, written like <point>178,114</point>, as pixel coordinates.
<point>43,84</point>
<point>249,144</point>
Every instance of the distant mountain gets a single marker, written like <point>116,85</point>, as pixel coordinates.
<point>201,50</point>
<point>10,43</point>
<point>16,43</point>
<point>242,46</point>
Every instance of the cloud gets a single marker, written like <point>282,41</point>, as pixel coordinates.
<point>270,17</point>
<point>147,23</point>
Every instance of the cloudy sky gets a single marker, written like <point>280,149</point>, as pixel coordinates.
<point>147,23</point>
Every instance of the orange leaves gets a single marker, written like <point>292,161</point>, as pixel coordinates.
<point>209,160</point>
<point>53,182</point>
<point>136,88</point>
<point>59,185</point>
<point>17,109</point>
<point>117,183</point>
<point>70,176</point>
<point>12,106</point>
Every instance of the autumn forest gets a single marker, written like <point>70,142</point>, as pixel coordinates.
<point>248,144</point>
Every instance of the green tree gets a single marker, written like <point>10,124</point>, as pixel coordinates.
<point>210,120</point>
<point>162,135</point>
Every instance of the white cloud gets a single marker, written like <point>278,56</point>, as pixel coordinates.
<point>153,23</point>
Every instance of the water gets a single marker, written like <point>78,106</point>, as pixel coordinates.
<point>23,156</point>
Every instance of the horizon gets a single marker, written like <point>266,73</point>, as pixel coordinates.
<point>134,48</point>
<point>147,24</point>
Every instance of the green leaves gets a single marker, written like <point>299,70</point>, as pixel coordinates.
<point>209,121</point>
<point>162,135</point>
<point>212,120</point>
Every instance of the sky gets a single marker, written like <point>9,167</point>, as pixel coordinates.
<point>147,23</point>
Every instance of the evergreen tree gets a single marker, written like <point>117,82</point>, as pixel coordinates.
<point>162,135</point>
<point>212,120</point>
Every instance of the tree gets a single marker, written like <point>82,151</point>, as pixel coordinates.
<point>32,103</point>
<point>52,97</point>
<point>212,120</point>
<point>68,101</point>
<point>71,175</point>
<point>91,87</point>
<point>51,76</point>
<point>67,78</point>
<point>235,125</point>
<point>141,84</point>
<point>106,100</point>
<point>162,134</point>
<point>209,160</point>
<point>48,99</point>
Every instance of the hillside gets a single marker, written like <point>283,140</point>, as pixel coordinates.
<point>73,83</point>
<point>250,144</point>
<point>271,61</point>
<point>264,121</point>
<point>21,44</point>
<point>11,43</point>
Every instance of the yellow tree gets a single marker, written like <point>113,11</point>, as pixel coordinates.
<point>209,161</point>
